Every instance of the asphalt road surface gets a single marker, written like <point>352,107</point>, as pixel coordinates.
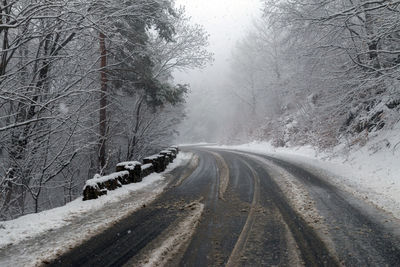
<point>252,210</point>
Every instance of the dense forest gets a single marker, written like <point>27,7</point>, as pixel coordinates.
<point>317,72</point>
<point>83,85</point>
<point>320,73</point>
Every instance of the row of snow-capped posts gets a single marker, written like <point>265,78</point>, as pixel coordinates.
<point>128,172</point>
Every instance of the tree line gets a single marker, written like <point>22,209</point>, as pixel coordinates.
<point>84,84</point>
<point>317,72</point>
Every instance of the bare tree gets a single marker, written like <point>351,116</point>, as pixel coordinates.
<point>50,91</point>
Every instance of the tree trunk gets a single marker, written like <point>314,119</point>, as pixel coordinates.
<point>132,145</point>
<point>372,41</point>
<point>103,103</point>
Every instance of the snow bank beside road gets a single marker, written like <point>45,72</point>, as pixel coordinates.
<point>29,226</point>
<point>371,172</point>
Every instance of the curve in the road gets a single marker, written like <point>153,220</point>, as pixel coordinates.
<point>359,240</point>
<point>313,250</point>
<point>247,220</point>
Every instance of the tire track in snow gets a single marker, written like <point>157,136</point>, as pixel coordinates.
<point>177,239</point>
<point>223,174</point>
<point>244,235</point>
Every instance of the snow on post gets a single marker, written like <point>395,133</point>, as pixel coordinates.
<point>99,185</point>
<point>134,169</point>
<point>176,148</point>
<point>158,162</point>
<point>168,155</point>
<point>147,169</point>
<point>173,150</point>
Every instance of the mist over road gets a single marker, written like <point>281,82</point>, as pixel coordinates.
<point>242,209</point>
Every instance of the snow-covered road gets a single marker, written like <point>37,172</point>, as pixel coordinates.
<point>371,173</point>
<point>240,208</point>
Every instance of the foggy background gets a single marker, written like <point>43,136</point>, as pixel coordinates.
<point>208,106</point>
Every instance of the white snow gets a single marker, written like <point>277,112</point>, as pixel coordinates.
<point>101,179</point>
<point>153,157</point>
<point>371,172</point>
<point>129,164</point>
<point>63,108</point>
<point>176,239</point>
<point>34,224</point>
<point>15,235</point>
<point>146,166</point>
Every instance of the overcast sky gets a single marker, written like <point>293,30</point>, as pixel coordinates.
<point>225,21</point>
